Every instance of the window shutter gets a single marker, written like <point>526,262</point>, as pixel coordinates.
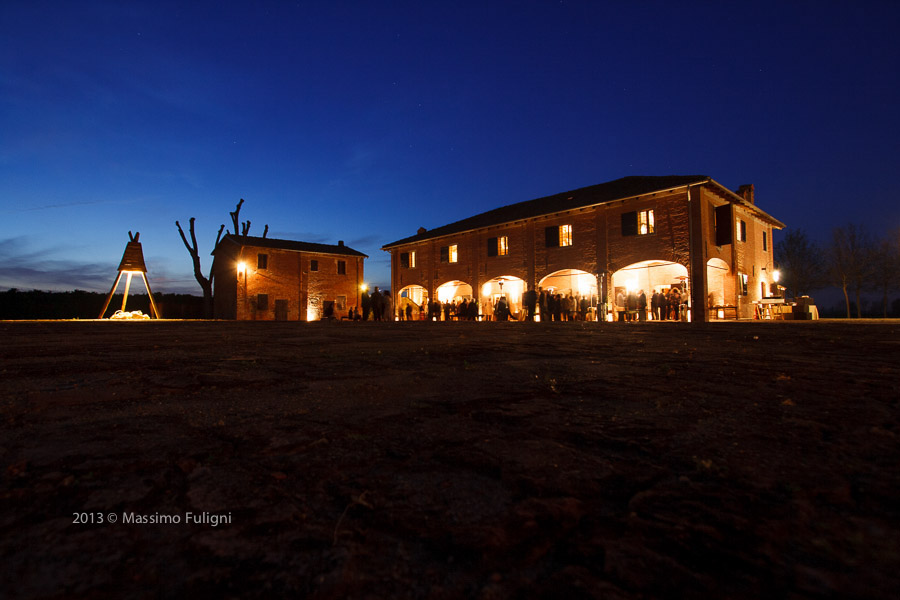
<point>630,223</point>
<point>492,246</point>
<point>723,225</point>
<point>404,260</point>
<point>445,254</point>
<point>551,235</point>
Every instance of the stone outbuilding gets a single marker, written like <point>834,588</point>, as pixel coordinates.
<point>650,233</point>
<point>266,279</point>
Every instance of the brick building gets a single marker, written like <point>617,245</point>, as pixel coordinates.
<point>268,279</point>
<point>649,233</point>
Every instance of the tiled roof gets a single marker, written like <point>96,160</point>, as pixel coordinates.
<point>259,242</point>
<point>618,189</point>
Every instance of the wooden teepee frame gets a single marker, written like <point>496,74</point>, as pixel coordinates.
<point>132,262</point>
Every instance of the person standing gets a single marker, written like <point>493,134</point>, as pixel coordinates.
<point>388,312</point>
<point>631,306</point>
<point>620,305</point>
<point>642,306</point>
<point>377,304</point>
<point>366,305</point>
<point>487,309</point>
<point>529,299</point>
<point>674,303</point>
<point>501,312</point>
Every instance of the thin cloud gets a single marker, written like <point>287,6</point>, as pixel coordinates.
<point>23,267</point>
<point>58,276</point>
<point>368,240</point>
<point>63,205</point>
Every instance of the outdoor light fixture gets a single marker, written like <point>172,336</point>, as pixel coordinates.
<point>132,264</point>
<point>776,275</point>
<point>241,268</point>
<point>364,287</point>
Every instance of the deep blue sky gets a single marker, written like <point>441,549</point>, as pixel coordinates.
<point>362,121</point>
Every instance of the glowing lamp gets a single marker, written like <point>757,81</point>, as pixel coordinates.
<point>363,287</point>
<point>241,268</point>
<point>776,275</point>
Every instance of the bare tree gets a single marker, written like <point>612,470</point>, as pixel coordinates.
<point>886,266</point>
<point>850,255</point>
<point>206,283</point>
<point>800,262</point>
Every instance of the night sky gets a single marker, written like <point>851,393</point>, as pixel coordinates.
<point>362,121</point>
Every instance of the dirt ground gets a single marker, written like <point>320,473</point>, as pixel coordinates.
<point>459,460</point>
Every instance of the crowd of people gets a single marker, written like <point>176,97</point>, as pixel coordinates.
<point>378,306</point>
<point>664,305</point>
<point>543,305</point>
<point>540,304</point>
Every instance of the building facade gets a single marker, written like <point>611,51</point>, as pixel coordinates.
<point>266,279</point>
<point>637,233</point>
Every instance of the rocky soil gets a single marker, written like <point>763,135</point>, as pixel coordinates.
<point>459,460</point>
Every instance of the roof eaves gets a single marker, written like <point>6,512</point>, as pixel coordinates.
<point>425,237</point>
<point>291,246</point>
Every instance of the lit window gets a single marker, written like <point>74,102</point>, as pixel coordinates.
<point>565,235</point>
<point>744,279</point>
<point>646,222</point>
<point>452,256</point>
<point>502,245</point>
<point>412,260</point>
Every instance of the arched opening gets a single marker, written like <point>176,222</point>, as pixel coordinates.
<point>454,292</point>
<point>414,297</point>
<point>507,288</point>
<point>451,295</point>
<point>720,295</point>
<point>573,284</point>
<point>649,277</point>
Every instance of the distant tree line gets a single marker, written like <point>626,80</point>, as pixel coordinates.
<point>79,304</point>
<point>855,261</point>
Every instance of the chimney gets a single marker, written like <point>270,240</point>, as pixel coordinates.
<point>341,243</point>
<point>746,192</point>
<point>421,230</point>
